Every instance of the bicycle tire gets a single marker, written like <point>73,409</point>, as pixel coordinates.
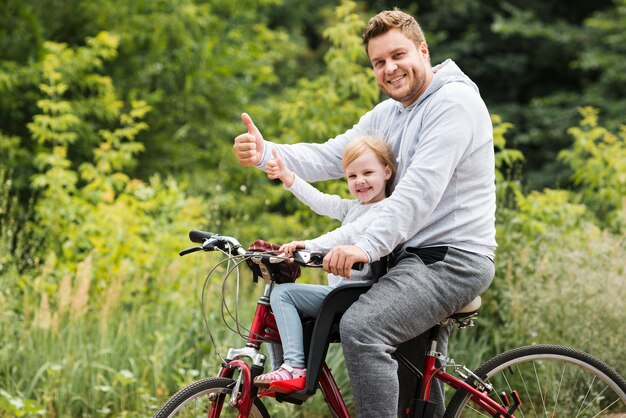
<point>551,381</point>
<point>193,401</point>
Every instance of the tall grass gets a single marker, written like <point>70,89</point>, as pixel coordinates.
<point>107,362</point>
<point>575,295</point>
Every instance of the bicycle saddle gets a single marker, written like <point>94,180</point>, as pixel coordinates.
<point>469,309</point>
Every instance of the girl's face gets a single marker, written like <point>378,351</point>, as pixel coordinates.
<point>367,177</point>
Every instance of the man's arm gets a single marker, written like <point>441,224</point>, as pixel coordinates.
<point>346,234</point>
<point>444,138</point>
<point>311,162</point>
<point>447,133</point>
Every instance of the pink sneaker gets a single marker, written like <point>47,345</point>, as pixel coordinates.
<point>285,379</point>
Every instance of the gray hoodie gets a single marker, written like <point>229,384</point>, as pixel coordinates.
<point>444,189</point>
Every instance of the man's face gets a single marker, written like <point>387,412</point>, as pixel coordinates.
<point>402,69</point>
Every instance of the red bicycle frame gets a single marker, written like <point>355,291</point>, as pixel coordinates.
<point>264,329</point>
<point>480,398</point>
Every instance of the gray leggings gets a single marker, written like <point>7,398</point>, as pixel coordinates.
<point>396,313</point>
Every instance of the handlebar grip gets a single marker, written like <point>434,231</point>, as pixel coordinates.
<point>200,236</point>
<point>358,266</point>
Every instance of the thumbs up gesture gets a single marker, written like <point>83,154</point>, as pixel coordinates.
<point>276,169</point>
<point>249,146</point>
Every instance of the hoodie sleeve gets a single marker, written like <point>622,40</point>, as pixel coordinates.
<point>315,162</point>
<point>444,137</point>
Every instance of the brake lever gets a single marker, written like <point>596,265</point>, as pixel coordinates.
<point>190,250</point>
<point>308,259</point>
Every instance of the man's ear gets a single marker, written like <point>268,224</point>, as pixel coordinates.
<point>423,49</point>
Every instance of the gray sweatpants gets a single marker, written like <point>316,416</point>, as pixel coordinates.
<point>396,313</point>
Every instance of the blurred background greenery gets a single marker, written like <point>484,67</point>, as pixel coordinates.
<point>116,128</point>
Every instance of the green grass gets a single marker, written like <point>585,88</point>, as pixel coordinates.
<point>72,350</point>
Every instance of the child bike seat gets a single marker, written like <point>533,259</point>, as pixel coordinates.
<point>321,331</point>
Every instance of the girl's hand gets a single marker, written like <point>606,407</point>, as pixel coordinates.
<point>291,247</point>
<point>276,169</point>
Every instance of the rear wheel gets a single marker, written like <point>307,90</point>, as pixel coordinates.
<point>197,399</point>
<point>552,381</point>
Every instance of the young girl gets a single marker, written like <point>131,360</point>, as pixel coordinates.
<point>368,167</point>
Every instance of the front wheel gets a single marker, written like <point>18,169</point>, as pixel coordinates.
<point>552,381</point>
<point>207,397</point>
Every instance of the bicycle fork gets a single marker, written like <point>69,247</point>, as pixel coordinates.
<point>243,391</point>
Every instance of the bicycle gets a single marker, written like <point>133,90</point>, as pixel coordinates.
<point>531,381</point>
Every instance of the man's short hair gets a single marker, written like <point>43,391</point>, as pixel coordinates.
<point>384,21</point>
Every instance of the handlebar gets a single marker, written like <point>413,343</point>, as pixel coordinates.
<point>212,242</point>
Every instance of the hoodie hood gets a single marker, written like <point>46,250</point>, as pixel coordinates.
<point>444,73</point>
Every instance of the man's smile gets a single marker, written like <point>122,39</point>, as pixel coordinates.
<point>397,79</point>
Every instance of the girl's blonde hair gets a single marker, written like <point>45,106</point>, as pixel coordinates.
<point>356,147</point>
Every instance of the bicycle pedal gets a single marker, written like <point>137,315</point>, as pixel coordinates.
<point>517,402</point>
<point>505,399</point>
<point>287,386</point>
<point>264,393</point>
<point>516,398</point>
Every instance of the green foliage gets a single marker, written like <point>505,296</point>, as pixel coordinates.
<point>598,161</point>
<point>197,64</point>
<point>18,407</point>
<point>508,162</point>
<point>317,109</point>
<point>578,50</point>
<point>554,257</point>
<point>548,210</point>
<point>566,289</point>
<point>313,111</point>
<point>101,238</point>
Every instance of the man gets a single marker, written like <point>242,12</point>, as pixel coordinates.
<point>437,227</point>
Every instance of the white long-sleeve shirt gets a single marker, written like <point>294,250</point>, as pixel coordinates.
<point>345,210</point>
<point>444,191</point>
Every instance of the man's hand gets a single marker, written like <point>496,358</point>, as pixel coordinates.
<point>276,169</point>
<point>249,146</point>
<point>340,259</point>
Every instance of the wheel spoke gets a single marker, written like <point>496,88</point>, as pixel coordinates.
<point>558,392</point>
<point>553,381</point>
<point>541,395</point>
